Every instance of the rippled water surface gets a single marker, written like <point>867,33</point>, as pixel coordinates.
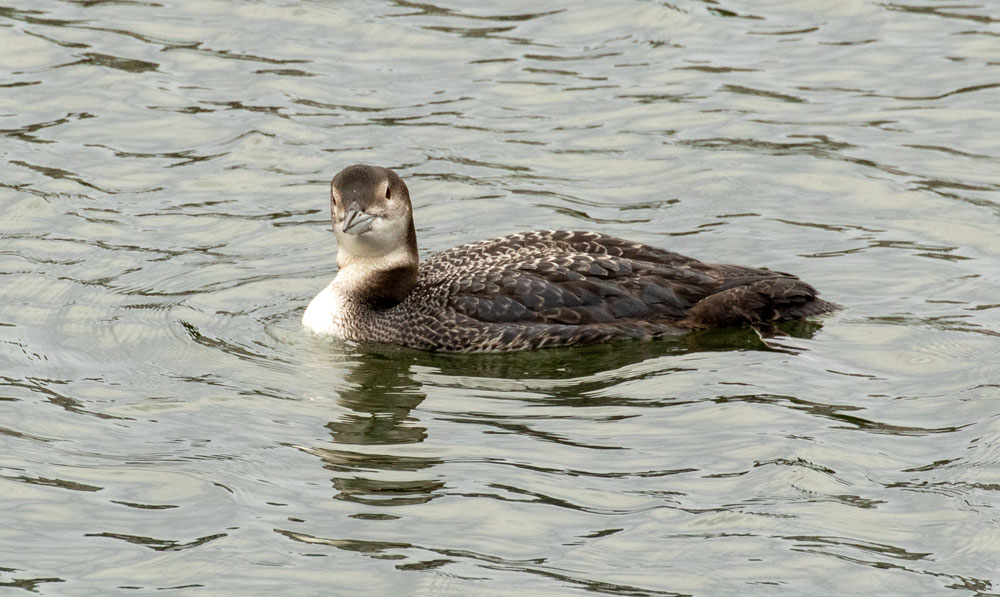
<point>165,423</point>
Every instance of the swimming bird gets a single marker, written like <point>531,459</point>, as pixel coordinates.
<point>527,290</point>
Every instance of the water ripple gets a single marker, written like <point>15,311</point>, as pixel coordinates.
<point>166,221</point>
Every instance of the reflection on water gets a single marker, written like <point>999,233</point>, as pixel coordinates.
<point>380,400</point>
<point>166,424</point>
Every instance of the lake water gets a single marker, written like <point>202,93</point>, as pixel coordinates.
<point>167,427</point>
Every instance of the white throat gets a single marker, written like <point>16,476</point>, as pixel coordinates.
<point>327,313</point>
<point>357,271</point>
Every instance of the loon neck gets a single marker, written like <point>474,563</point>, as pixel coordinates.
<point>377,282</point>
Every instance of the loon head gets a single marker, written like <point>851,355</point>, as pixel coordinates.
<point>373,220</point>
<point>371,213</point>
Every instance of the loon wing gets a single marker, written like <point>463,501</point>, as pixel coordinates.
<point>569,278</point>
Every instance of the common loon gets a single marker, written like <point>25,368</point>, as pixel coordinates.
<point>527,290</point>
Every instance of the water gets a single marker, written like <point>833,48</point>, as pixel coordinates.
<point>165,424</point>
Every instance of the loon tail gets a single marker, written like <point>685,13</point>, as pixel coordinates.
<point>758,301</point>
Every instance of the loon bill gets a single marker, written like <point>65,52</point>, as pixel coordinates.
<point>527,290</point>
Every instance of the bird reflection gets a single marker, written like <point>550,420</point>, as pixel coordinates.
<point>385,385</point>
<point>381,396</point>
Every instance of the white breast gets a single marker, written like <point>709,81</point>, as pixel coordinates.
<point>324,315</point>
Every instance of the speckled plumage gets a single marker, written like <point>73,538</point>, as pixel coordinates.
<point>551,288</point>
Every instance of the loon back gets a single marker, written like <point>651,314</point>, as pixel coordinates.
<point>527,290</point>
